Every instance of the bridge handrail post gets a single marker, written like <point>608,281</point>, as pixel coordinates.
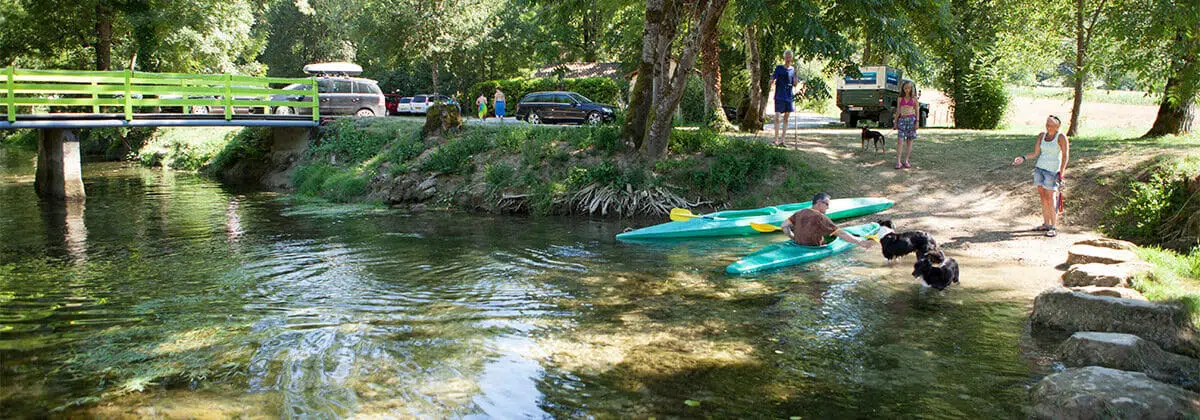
<point>128,94</point>
<point>95,101</point>
<point>228,99</point>
<point>316,105</point>
<point>12,100</point>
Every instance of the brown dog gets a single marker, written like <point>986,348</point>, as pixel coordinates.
<point>872,135</point>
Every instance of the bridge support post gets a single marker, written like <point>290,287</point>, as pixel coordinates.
<point>59,175</point>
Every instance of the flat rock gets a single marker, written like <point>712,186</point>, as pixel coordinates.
<point>1117,292</point>
<point>1104,275</point>
<point>1098,392</point>
<point>1165,324</point>
<point>1084,254</point>
<point>1109,243</point>
<point>1131,353</point>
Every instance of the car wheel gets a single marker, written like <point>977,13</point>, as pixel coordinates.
<point>283,110</point>
<point>534,118</point>
<point>364,113</point>
<point>199,109</point>
<point>595,118</point>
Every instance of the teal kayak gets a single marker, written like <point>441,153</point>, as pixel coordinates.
<point>737,222</point>
<point>788,253</point>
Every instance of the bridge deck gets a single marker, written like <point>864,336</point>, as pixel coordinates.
<point>65,120</point>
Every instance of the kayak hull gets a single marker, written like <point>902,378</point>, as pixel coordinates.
<point>787,253</point>
<point>737,222</point>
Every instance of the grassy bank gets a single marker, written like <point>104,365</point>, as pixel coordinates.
<point>547,170</point>
<point>1176,278</point>
<point>1120,97</point>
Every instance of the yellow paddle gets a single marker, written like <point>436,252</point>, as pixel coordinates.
<point>683,215</point>
<point>765,228</point>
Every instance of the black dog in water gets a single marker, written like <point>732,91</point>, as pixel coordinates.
<point>872,135</point>
<point>936,270</point>
<point>898,244</point>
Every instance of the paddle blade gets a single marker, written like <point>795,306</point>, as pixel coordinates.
<point>682,215</point>
<point>764,228</point>
<point>873,237</point>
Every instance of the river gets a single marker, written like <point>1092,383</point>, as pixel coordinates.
<point>168,294</point>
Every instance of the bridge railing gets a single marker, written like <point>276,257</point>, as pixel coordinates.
<point>127,89</point>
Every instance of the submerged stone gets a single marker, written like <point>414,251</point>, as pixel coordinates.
<point>1131,353</point>
<point>1165,324</point>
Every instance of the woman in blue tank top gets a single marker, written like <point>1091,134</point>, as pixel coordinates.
<point>1052,150</point>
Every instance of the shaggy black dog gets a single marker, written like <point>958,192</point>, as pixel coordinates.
<point>936,270</point>
<point>898,244</point>
<point>872,135</point>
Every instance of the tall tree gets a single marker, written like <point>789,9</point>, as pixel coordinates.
<point>1086,19</point>
<point>1160,41</point>
<point>710,72</point>
<point>703,20</point>
<point>642,96</point>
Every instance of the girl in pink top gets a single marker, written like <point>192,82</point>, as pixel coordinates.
<point>905,122</point>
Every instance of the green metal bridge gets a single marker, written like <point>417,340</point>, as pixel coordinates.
<point>43,99</point>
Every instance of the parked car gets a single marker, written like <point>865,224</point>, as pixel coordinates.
<point>421,103</point>
<point>552,107</point>
<point>340,92</point>
<point>404,106</point>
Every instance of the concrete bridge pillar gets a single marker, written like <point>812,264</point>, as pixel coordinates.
<point>59,175</point>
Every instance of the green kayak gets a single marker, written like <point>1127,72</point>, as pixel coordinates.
<point>788,253</point>
<point>737,222</point>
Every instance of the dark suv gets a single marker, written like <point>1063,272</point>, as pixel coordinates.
<point>338,96</point>
<point>552,107</point>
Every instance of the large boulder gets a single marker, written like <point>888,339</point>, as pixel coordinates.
<point>1165,324</point>
<point>1098,392</point>
<point>1084,254</point>
<point>1109,243</point>
<point>1117,292</point>
<point>1132,353</point>
<point>1104,275</point>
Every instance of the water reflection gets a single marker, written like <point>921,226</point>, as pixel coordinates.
<point>183,290</point>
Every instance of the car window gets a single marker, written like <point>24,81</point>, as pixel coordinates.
<point>298,86</point>
<point>324,86</point>
<point>405,100</point>
<point>418,99</point>
<point>563,99</point>
<point>366,87</point>
<point>342,86</point>
<point>530,98</point>
<point>579,98</point>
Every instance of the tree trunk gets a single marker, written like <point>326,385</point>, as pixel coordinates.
<point>752,117</point>
<point>668,27</point>
<point>434,72</point>
<point>104,39</point>
<point>660,129</point>
<point>1177,110</point>
<point>640,99</point>
<point>1079,75</point>
<point>710,68</point>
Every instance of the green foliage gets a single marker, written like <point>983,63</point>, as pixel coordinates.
<point>1156,210</point>
<point>251,144</point>
<point>734,166</point>
<point>692,105</point>
<point>347,142</point>
<point>456,155</point>
<point>185,148</point>
<point>608,174</point>
<point>499,174</point>
<point>980,102</point>
<point>1175,278</point>
<point>23,139</point>
<point>115,143</point>
<point>337,184</point>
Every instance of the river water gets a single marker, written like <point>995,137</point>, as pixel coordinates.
<point>167,294</point>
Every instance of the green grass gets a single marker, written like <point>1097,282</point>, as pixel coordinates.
<point>1121,97</point>
<point>1176,278</point>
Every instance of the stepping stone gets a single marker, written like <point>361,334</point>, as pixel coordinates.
<point>1100,393</point>
<point>1117,292</point>
<point>1109,243</point>
<point>1084,254</point>
<point>1104,275</point>
<point>1165,324</point>
<point>1131,353</point>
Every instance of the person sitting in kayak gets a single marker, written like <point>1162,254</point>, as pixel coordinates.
<point>809,227</point>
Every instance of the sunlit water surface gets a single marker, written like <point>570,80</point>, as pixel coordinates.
<point>168,294</point>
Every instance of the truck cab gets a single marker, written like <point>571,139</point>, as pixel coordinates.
<point>873,96</point>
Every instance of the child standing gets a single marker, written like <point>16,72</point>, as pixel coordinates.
<point>906,122</point>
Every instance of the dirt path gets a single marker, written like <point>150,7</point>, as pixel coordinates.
<point>963,190</point>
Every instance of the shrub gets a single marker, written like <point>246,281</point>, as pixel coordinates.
<point>329,182</point>
<point>24,139</point>
<point>345,142</point>
<point>499,174</point>
<point>456,155</point>
<point>692,105</point>
<point>982,101</point>
<point>1163,209</point>
<point>248,145</point>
